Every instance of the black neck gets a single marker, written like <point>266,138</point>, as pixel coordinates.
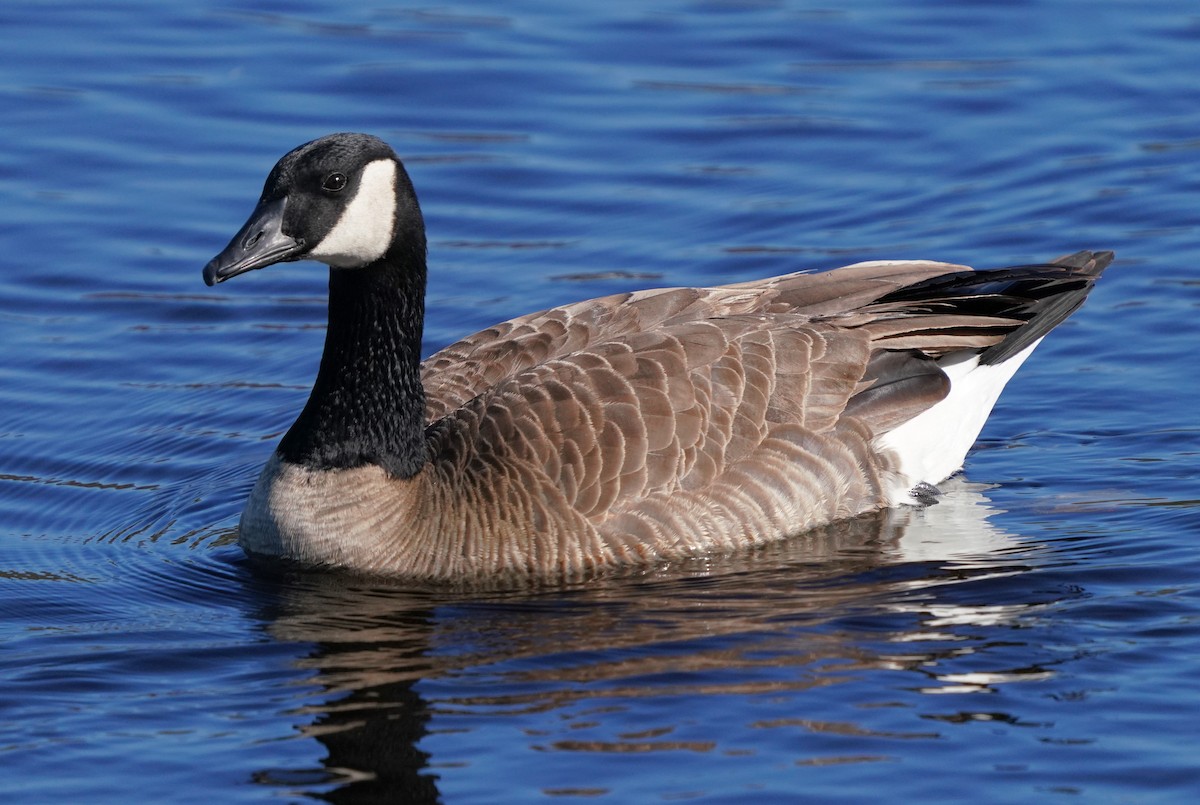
<point>367,405</point>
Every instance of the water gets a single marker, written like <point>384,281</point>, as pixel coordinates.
<point>1032,638</point>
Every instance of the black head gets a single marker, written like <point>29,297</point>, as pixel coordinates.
<point>343,200</point>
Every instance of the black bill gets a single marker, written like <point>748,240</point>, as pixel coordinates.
<point>258,244</point>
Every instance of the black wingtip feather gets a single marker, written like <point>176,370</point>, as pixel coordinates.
<point>1040,296</point>
<point>1052,302</point>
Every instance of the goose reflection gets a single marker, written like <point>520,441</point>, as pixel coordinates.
<point>787,617</point>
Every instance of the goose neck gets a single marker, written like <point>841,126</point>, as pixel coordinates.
<point>367,405</point>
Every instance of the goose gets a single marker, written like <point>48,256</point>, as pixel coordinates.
<point>630,429</point>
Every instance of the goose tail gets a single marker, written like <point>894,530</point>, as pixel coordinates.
<point>1018,306</point>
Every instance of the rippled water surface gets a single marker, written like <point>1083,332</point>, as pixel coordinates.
<point>1031,638</point>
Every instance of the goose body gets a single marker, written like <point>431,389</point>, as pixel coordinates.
<point>625,429</point>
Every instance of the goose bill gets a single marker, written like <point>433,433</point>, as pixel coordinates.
<point>258,244</point>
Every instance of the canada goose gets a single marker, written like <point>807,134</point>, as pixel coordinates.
<point>626,429</point>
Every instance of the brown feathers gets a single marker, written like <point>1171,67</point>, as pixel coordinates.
<point>650,425</point>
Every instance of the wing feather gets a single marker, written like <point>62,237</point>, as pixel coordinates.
<point>720,416</point>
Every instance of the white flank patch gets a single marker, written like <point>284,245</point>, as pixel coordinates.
<point>932,445</point>
<point>364,232</point>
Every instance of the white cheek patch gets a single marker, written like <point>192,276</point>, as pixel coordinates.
<point>364,232</point>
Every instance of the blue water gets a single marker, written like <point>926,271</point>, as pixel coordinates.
<point>1034,637</point>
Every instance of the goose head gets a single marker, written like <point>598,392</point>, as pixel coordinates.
<point>343,200</point>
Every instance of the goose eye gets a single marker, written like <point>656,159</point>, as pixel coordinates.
<point>334,182</point>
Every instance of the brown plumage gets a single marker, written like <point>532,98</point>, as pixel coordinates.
<point>627,429</point>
